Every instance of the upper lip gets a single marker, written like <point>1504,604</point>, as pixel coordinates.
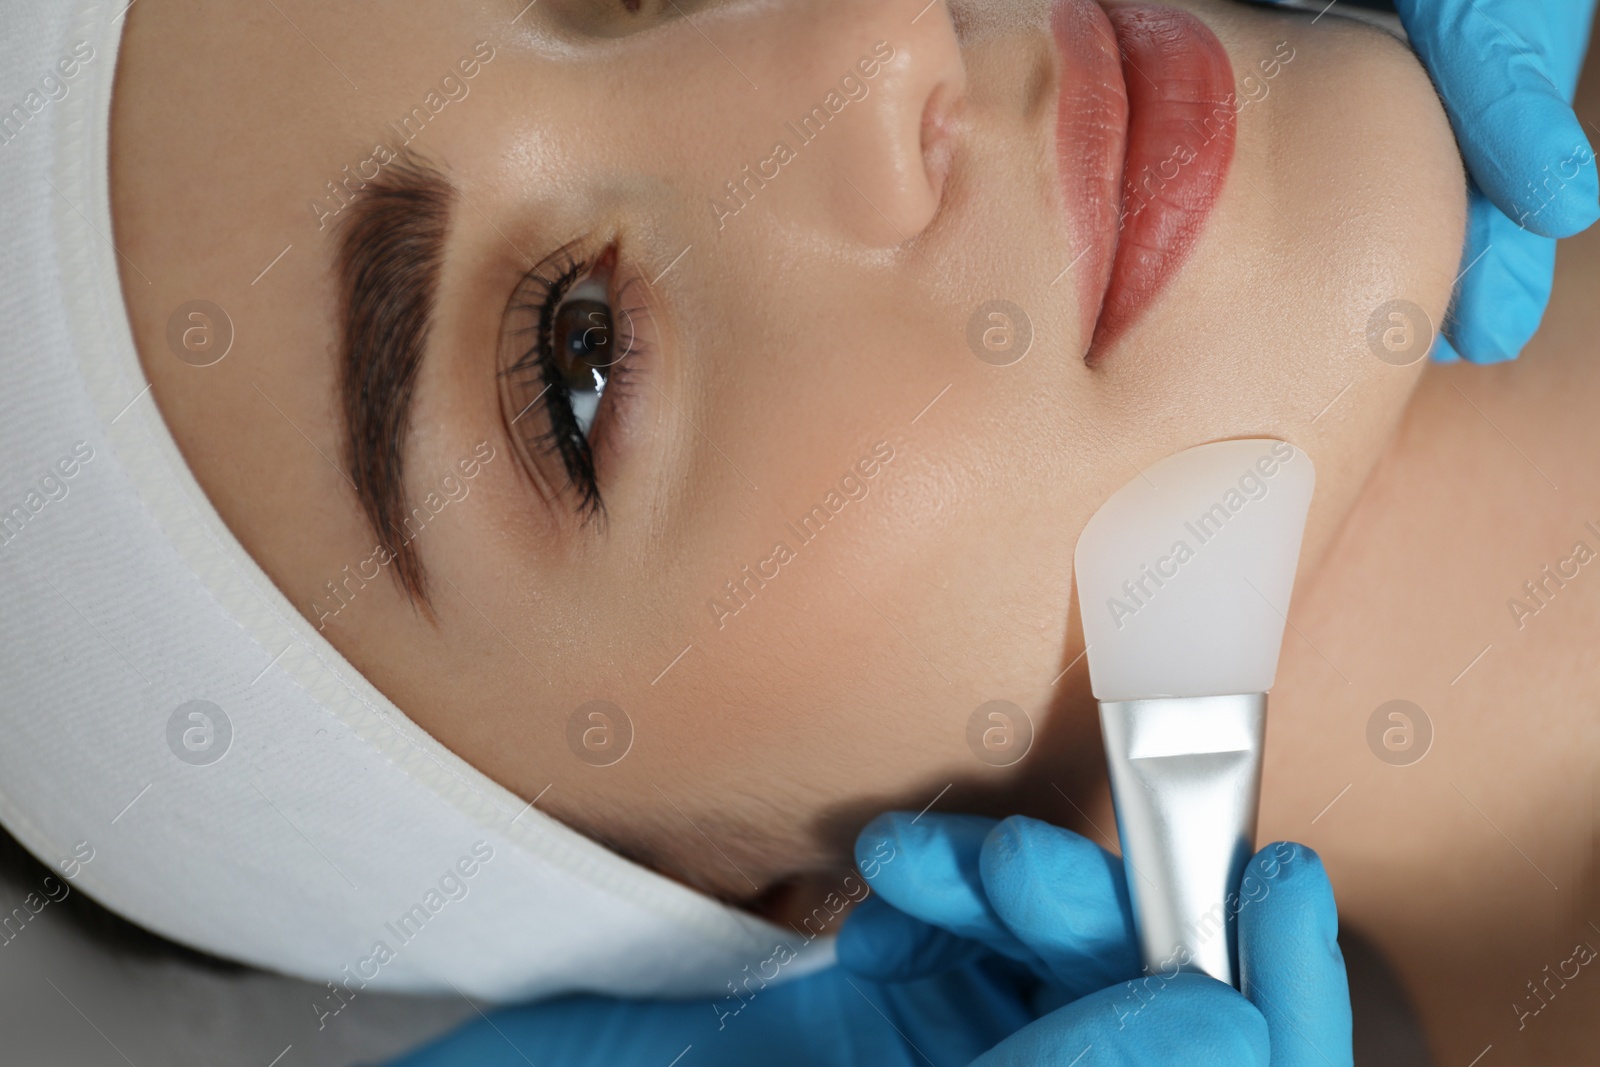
<point>1092,142</point>
<point>1142,161</point>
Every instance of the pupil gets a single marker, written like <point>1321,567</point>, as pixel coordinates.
<point>582,332</point>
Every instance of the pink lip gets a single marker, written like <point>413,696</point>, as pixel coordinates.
<point>1144,136</point>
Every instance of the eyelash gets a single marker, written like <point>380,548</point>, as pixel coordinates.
<point>540,294</point>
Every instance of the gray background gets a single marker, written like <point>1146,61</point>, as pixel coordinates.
<point>70,994</point>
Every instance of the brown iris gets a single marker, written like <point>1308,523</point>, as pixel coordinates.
<point>581,342</point>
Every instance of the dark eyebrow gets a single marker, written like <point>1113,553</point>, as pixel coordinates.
<point>390,254</point>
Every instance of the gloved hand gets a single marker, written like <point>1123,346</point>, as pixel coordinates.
<point>1506,70</point>
<point>827,1018</point>
<point>911,991</point>
<point>1058,904</point>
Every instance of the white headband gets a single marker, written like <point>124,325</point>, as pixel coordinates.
<point>181,741</point>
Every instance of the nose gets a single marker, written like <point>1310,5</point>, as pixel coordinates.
<point>867,91</point>
<point>891,164</point>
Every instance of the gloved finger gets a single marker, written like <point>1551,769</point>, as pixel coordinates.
<point>1506,80</point>
<point>883,943</point>
<point>1442,351</point>
<point>1065,898</point>
<point>1187,1020</point>
<point>927,867</point>
<point>1504,288</point>
<point>1290,965</point>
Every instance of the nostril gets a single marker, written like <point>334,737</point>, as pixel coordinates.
<point>938,140</point>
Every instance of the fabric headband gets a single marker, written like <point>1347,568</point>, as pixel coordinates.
<point>175,738</point>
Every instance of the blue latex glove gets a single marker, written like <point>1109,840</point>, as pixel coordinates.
<point>913,992</point>
<point>1058,904</point>
<point>1506,71</point>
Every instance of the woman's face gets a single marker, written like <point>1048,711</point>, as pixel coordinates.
<point>820,512</point>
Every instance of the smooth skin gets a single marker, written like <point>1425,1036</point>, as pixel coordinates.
<point>822,326</point>
<point>845,687</point>
<point>1506,71</point>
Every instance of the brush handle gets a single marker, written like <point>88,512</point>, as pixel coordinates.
<point>1186,781</point>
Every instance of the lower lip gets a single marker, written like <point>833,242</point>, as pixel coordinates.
<point>1143,142</point>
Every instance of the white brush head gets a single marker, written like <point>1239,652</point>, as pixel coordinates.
<point>1184,574</point>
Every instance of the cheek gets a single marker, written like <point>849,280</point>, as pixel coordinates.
<point>1309,303</point>
<point>948,584</point>
<point>945,588</point>
<point>857,662</point>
